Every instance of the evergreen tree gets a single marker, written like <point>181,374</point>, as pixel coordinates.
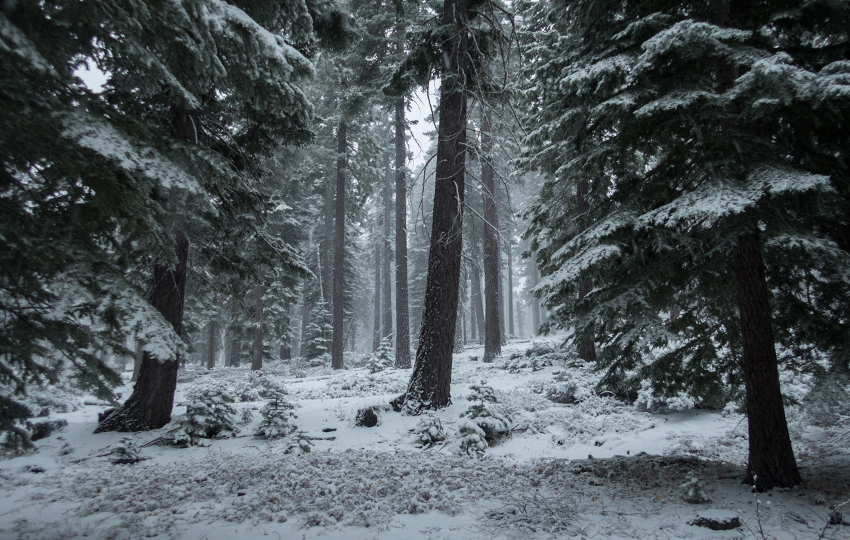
<point>705,134</point>
<point>319,334</point>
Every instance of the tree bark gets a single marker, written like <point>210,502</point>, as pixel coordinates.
<point>211,345</point>
<point>510,290</point>
<point>535,302</point>
<point>519,320</point>
<point>337,345</point>
<point>430,383</point>
<point>150,404</point>
<point>327,249</point>
<point>458,347</point>
<point>236,348</point>
<point>402,313</point>
<point>387,296</point>
<point>492,326</point>
<point>376,328</point>
<point>586,347</point>
<point>228,348</point>
<point>305,323</point>
<point>477,300</point>
<point>771,460</point>
<point>257,349</point>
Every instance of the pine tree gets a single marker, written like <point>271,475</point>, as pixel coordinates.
<point>701,131</point>
<point>262,98</point>
<point>319,334</point>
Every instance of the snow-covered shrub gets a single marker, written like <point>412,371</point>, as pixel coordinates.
<point>277,415</point>
<point>536,357</point>
<point>209,412</point>
<point>570,385</point>
<point>356,384</point>
<point>471,439</point>
<point>693,491</point>
<point>429,431</point>
<point>481,412</point>
<point>382,358</point>
<point>298,441</point>
<point>648,401</point>
<point>247,416</point>
<point>126,452</point>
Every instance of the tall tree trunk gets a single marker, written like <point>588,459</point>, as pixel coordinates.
<point>337,344</point>
<point>211,345</point>
<point>519,328</point>
<point>430,383</point>
<point>586,347</point>
<point>492,326</point>
<point>327,248</point>
<point>257,349</point>
<point>236,352</point>
<point>510,290</point>
<point>376,328</point>
<point>150,404</point>
<point>476,297</point>
<point>535,302</point>
<point>305,323</point>
<point>402,312</point>
<point>228,348</point>
<point>771,460</point>
<point>387,296</point>
<point>502,333</point>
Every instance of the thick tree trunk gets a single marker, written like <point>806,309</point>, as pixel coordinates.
<point>586,347</point>
<point>337,343</point>
<point>387,296</point>
<point>257,349</point>
<point>771,460</point>
<point>376,328</point>
<point>150,404</point>
<point>492,326</point>
<point>535,302</point>
<point>430,384</point>
<point>211,345</point>
<point>402,313</point>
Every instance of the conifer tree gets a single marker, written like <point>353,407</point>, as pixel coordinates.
<point>700,130</point>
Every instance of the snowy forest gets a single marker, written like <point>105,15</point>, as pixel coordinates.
<point>436,269</point>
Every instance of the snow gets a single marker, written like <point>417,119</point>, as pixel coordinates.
<point>598,468</point>
<point>16,42</point>
<point>97,135</point>
<point>713,201</point>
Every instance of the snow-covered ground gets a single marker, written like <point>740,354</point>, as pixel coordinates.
<point>592,469</point>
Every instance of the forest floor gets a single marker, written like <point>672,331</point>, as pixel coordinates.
<point>593,469</point>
